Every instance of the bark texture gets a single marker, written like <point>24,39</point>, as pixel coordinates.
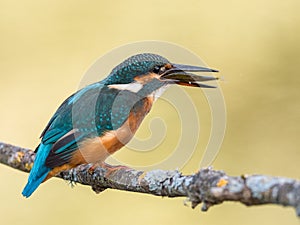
<point>207,186</point>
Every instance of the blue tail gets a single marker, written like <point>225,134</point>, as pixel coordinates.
<point>39,171</point>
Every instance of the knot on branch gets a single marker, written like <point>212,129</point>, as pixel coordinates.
<point>203,187</point>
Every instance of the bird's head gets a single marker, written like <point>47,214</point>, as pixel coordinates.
<point>145,69</point>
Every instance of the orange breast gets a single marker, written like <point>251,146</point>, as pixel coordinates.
<point>99,148</point>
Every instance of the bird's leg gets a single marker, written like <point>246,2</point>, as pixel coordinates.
<point>94,166</point>
<point>112,168</point>
<point>109,168</point>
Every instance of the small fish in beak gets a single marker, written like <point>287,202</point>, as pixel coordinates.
<point>180,74</point>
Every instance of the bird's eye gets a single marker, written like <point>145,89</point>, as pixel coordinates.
<point>162,70</point>
<point>159,69</point>
<point>156,69</point>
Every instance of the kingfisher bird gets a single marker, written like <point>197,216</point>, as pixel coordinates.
<point>102,117</point>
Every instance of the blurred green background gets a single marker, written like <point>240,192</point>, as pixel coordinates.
<point>46,47</point>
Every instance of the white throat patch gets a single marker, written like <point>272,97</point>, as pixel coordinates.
<point>157,93</point>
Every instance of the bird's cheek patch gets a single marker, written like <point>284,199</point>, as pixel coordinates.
<point>132,87</point>
<point>143,79</point>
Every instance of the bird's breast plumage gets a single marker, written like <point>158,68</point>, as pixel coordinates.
<point>96,149</point>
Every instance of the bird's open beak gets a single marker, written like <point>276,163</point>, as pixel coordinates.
<point>180,74</point>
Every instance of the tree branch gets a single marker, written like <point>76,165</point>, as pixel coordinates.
<point>207,186</point>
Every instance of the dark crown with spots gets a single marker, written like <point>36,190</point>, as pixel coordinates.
<point>133,66</point>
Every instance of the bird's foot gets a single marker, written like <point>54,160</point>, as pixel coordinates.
<point>112,168</point>
<point>93,167</point>
<point>109,168</point>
